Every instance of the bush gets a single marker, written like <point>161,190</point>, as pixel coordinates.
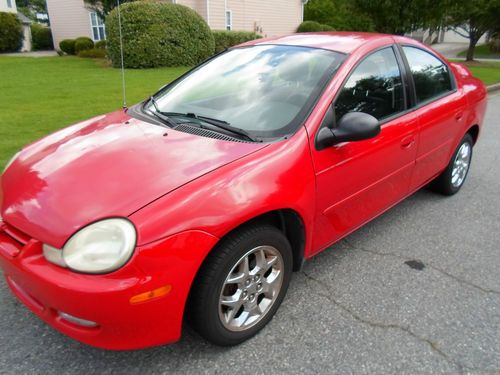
<point>67,46</point>
<point>11,32</point>
<point>494,44</point>
<point>83,43</point>
<point>95,53</point>
<point>225,39</point>
<point>101,44</point>
<point>158,34</point>
<point>41,36</point>
<point>312,26</point>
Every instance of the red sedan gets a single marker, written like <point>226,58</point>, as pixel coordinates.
<point>201,201</point>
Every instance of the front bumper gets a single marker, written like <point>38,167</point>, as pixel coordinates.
<point>47,290</point>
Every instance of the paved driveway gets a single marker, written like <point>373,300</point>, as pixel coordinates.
<point>358,308</point>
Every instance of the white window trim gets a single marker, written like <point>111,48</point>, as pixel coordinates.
<point>97,26</point>
<point>229,26</point>
<point>9,4</point>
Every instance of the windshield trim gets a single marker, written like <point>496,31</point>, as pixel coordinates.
<point>301,117</point>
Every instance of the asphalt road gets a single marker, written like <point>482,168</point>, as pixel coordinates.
<point>357,308</point>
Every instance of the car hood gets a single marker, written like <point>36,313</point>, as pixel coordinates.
<point>111,165</point>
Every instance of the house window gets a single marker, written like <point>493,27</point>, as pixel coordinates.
<point>98,27</point>
<point>229,20</point>
<point>9,3</point>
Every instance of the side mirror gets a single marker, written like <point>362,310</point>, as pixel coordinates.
<point>353,126</point>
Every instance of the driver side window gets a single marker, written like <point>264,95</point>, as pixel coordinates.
<point>374,87</point>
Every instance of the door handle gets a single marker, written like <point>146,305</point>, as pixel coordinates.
<point>407,142</point>
<point>459,116</point>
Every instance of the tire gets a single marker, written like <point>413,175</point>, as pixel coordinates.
<point>453,177</point>
<point>225,294</point>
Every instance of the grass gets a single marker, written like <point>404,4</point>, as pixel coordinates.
<point>482,51</point>
<point>41,95</point>
<point>488,72</point>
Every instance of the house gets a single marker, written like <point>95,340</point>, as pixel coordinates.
<point>10,7</point>
<point>70,19</point>
<point>442,35</point>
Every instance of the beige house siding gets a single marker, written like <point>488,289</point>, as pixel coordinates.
<point>69,19</point>
<point>5,8</point>
<point>269,18</point>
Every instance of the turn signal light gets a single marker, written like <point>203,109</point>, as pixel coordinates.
<point>152,294</point>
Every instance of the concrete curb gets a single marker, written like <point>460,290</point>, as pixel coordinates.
<point>493,88</point>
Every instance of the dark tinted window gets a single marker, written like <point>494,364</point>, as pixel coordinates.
<point>431,75</point>
<point>374,87</point>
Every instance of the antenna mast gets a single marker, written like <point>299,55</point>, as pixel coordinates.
<point>121,55</point>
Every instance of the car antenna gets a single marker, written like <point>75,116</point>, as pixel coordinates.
<point>121,55</point>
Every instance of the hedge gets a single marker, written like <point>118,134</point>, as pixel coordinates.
<point>226,39</point>
<point>83,43</point>
<point>11,32</point>
<point>41,37</point>
<point>158,34</point>
<point>312,26</point>
<point>67,46</point>
<point>101,44</point>
<point>95,53</point>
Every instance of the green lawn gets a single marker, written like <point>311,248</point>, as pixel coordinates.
<point>483,51</point>
<point>488,72</point>
<point>41,95</point>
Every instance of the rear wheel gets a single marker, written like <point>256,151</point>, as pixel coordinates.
<point>453,177</point>
<point>241,285</point>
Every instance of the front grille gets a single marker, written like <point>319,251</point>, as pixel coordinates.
<point>206,133</point>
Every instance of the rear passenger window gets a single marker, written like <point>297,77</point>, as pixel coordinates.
<point>431,75</point>
<point>374,87</point>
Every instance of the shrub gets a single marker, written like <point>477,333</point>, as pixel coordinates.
<point>225,39</point>
<point>158,34</point>
<point>101,44</point>
<point>312,26</point>
<point>11,32</point>
<point>494,44</point>
<point>95,53</point>
<point>67,46</point>
<point>83,43</point>
<point>41,36</point>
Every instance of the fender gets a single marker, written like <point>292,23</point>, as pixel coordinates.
<point>236,193</point>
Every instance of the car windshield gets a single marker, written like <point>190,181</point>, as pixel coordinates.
<point>266,90</point>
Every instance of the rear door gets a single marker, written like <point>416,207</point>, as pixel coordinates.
<point>440,108</point>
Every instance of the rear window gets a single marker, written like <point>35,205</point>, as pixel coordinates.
<point>431,76</point>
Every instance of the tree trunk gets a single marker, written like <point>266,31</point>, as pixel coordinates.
<point>470,50</point>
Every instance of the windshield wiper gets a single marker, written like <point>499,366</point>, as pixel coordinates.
<point>162,116</point>
<point>215,122</point>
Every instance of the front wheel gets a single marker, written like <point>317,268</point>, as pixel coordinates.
<point>241,285</point>
<point>453,177</point>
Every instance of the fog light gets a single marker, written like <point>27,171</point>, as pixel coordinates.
<point>77,321</point>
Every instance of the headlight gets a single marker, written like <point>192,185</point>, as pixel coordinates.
<point>10,161</point>
<point>98,248</point>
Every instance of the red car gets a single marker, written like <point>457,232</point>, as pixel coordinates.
<point>202,200</point>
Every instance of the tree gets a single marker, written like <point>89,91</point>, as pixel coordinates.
<point>339,14</point>
<point>403,16</point>
<point>473,19</point>
<point>31,7</point>
<point>103,7</point>
<point>385,16</point>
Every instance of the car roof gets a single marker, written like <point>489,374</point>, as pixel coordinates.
<point>345,42</point>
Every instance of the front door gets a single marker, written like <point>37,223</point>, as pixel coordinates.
<point>358,180</point>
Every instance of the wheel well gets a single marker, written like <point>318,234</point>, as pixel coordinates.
<point>290,223</point>
<point>474,132</point>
